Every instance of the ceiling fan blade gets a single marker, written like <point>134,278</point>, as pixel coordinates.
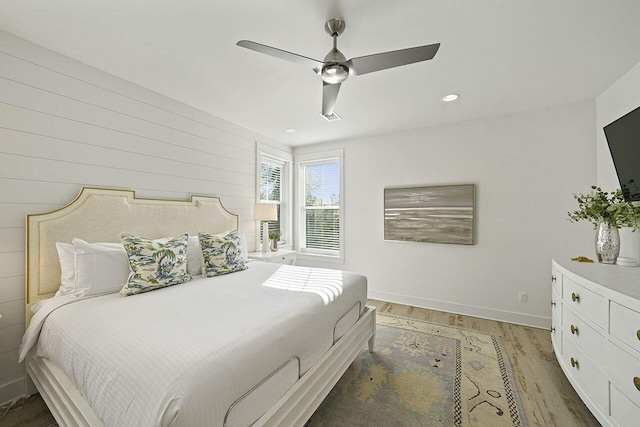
<point>315,65</point>
<point>329,97</point>
<point>395,58</point>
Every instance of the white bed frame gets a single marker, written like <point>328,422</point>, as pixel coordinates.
<point>101,215</point>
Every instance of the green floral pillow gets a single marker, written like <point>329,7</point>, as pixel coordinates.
<point>221,255</point>
<point>154,264</point>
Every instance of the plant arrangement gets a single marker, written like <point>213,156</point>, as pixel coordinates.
<point>275,234</point>
<point>600,206</point>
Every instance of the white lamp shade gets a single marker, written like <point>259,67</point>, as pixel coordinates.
<point>265,212</point>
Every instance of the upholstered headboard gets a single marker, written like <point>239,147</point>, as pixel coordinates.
<point>100,215</point>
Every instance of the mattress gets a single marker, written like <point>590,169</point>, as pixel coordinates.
<point>184,355</point>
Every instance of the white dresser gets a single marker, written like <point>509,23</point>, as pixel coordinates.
<point>596,336</point>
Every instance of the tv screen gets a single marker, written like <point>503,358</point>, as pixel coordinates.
<point>623,137</point>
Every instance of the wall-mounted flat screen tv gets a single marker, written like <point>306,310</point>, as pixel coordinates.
<point>623,137</point>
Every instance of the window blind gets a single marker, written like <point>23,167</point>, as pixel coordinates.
<point>322,206</point>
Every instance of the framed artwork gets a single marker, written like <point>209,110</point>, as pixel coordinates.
<point>437,214</point>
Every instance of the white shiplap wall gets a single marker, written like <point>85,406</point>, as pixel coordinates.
<point>64,125</point>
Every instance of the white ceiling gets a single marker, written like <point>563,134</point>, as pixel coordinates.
<point>501,56</point>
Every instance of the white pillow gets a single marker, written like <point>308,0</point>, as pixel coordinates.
<point>102,272</point>
<point>243,246</point>
<point>67,266</point>
<point>91,268</point>
<point>194,256</point>
<point>100,268</point>
<point>87,247</point>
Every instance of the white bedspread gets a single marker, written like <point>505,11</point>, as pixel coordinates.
<point>180,356</point>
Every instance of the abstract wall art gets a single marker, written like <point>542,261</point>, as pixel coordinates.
<point>437,214</point>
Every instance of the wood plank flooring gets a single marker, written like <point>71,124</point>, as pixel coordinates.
<point>546,395</point>
<point>28,412</point>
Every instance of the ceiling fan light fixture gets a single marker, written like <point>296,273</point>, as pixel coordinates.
<point>451,97</point>
<point>334,74</point>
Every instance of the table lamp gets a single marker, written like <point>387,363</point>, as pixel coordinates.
<point>265,212</point>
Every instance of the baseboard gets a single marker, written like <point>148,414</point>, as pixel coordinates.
<point>467,310</point>
<point>11,390</point>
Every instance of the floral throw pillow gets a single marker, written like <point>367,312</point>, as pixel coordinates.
<point>154,264</point>
<point>221,255</point>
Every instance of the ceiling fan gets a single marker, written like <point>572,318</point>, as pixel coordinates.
<point>335,68</point>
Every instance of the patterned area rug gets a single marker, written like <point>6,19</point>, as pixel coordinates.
<point>425,374</point>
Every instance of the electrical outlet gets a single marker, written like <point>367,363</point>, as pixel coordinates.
<point>522,297</point>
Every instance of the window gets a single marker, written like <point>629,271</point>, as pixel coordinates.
<point>270,187</point>
<point>274,186</point>
<point>320,183</point>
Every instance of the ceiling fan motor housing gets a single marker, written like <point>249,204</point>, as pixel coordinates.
<point>334,72</point>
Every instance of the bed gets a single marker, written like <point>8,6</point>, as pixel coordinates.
<point>263,346</point>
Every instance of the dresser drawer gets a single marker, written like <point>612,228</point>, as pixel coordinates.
<point>283,259</point>
<point>625,325</point>
<point>588,339</point>
<point>589,304</point>
<point>623,370</point>
<point>623,411</point>
<point>586,372</point>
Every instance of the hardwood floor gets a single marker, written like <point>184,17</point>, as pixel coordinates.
<point>28,412</point>
<point>546,395</point>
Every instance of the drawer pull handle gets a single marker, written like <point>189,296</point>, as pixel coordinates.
<point>575,297</point>
<point>574,330</point>
<point>638,333</point>
<point>636,382</point>
<point>553,303</point>
<point>574,363</point>
<point>553,278</point>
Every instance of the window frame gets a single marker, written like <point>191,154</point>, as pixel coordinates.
<point>301,162</point>
<point>268,154</point>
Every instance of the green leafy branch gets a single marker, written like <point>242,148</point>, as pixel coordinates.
<point>600,206</point>
<point>275,234</point>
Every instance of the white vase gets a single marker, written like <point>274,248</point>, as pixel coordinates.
<point>607,243</point>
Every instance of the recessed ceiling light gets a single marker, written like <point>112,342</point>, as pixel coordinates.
<point>450,97</point>
<point>291,130</point>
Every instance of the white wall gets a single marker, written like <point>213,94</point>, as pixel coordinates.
<point>64,125</point>
<point>525,167</point>
<point>616,101</point>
